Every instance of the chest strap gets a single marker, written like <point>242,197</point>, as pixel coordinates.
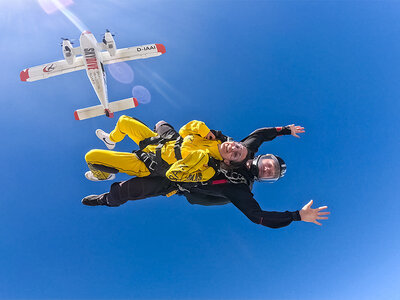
<point>155,140</point>
<point>177,148</point>
<point>160,143</point>
<point>156,166</point>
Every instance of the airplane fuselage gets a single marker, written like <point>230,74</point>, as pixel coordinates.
<point>94,66</point>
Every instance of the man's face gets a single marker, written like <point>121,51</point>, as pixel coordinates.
<point>233,152</point>
<point>268,169</point>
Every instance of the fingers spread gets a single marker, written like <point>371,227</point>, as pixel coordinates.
<point>324,213</point>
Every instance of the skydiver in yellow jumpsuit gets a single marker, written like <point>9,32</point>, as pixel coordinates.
<point>198,145</point>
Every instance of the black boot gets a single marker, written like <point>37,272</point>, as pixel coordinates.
<point>94,200</point>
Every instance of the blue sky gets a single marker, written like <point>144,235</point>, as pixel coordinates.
<point>331,66</point>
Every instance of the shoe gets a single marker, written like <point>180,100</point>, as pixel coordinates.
<point>89,175</point>
<point>94,200</point>
<point>105,137</point>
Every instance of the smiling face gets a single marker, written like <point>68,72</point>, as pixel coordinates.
<point>268,167</point>
<point>233,152</point>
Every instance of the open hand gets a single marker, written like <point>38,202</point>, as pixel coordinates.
<point>296,129</point>
<point>311,215</point>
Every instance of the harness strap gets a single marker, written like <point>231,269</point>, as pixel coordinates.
<point>161,141</point>
<point>149,141</point>
<point>234,177</point>
<point>156,140</point>
<point>177,148</point>
<point>219,181</point>
<point>214,163</point>
<point>146,158</point>
<point>158,151</point>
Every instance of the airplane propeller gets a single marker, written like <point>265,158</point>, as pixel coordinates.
<point>112,33</point>
<point>104,36</point>
<point>66,39</point>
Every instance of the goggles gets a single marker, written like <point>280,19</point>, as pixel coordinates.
<point>268,168</point>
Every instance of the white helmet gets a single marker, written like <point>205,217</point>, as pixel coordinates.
<point>268,167</point>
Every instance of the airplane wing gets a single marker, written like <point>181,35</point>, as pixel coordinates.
<point>131,53</point>
<point>52,69</point>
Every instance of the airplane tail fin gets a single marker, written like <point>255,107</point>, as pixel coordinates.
<point>98,110</point>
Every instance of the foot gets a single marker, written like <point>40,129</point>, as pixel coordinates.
<point>94,200</point>
<point>105,137</point>
<point>89,175</point>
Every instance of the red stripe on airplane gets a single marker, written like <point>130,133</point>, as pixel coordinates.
<point>92,63</point>
<point>76,115</point>
<point>135,102</point>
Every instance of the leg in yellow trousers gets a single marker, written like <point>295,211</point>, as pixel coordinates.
<point>122,161</point>
<point>135,129</point>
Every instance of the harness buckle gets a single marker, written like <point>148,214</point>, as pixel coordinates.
<point>152,166</point>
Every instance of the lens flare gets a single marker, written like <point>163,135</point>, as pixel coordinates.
<point>158,83</point>
<point>51,6</point>
<point>121,72</point>
<point>141,94</point>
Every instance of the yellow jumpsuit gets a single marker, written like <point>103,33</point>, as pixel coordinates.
<point>195,151</point>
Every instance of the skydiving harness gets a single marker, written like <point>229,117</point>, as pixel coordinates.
<point>153,161</point>
<point>230,177</point>
<point>158,167</point>
<point>196,193</point>
<point>234,177</point>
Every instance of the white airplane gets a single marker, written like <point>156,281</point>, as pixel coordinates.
<point>92,57</point>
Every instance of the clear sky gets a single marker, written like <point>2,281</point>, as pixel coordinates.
<point>330,66</point>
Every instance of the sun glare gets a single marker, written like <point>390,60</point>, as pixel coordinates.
<point>51,6</point>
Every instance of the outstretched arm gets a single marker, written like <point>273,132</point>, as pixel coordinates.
<point>311,215</point>
<point>259,136</point>
<point>241,196</point>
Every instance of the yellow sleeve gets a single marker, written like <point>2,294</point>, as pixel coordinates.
<point>194,127</point>
<point>193,168</point>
